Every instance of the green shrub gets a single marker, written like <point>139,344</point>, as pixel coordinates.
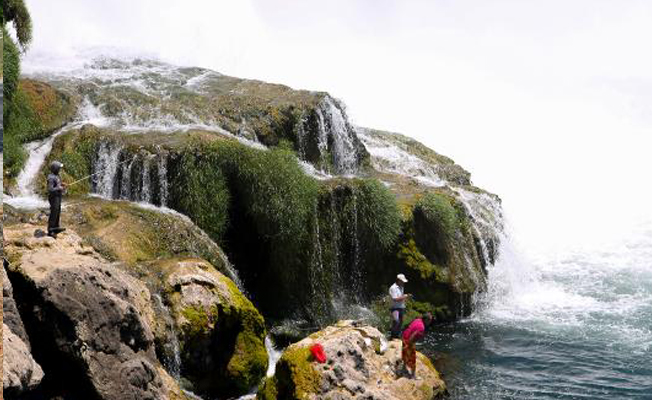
<point>273,188</point>
<point>438,210</point>
<point>379,218</point>
<point>203,193</point>
<point>10,68</point>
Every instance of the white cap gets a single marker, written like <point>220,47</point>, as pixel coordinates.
<point>401,278</point>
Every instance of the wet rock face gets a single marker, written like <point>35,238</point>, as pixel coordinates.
<point>361,365</point>
<point>88,321</point>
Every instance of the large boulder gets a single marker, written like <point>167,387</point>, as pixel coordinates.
<point>20,372</point>
<point>205,330</point>
<point>361,365</point>
<point>89,321</point>
<point>220,333</point>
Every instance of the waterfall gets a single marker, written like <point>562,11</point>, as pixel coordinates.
<point>26,191</point>
<point>273,355</point>
<point>487,221</point>
<point>163,179</point>
<point>356,273</point>
<point>317,272</point>
<point>140,177</point>
<point>333,124</point>
<point>389,158</point>
<point>125,185</point>
<point>170,349</point>
<point>105,169</point>
<point>146,181</point>
<point>327,139</point>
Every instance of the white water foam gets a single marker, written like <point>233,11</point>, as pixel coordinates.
<point>603,293</point>
<point>389,158</point>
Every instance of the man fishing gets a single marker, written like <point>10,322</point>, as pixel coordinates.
<point>56,188</point>
<point>397,310</point>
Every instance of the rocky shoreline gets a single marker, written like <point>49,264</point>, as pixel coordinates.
<point>212,214</point>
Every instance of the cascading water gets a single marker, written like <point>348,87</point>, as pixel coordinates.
<point>169,348</point>
<point>388,157</point>
<point>333,124</point>
<point>105,170</point>
<point>25,183</point>
<point>163,179</point>
<point>125,186</point>
<point>570,324</point>
<point>26,196</point>
<point>145,181</point>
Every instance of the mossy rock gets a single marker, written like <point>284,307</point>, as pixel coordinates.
<point>360,363</point>
<point>35,111</point>
<point>127,232</point>
<point>220,332</point>
<point>272,114</point>
<point>295,378</point>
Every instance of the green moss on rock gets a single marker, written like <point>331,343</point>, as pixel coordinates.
<point>295,376</point>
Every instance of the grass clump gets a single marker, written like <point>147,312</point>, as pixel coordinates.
<point>438,210</point>
<point>203,193</point>
<point>378,214</point>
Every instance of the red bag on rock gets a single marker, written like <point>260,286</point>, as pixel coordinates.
<point>317,351</point>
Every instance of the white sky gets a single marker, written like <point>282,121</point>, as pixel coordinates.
<point>548,103</point>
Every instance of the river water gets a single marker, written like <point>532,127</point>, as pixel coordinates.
<point>576,325</point>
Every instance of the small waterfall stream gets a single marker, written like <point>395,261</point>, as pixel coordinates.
<point>26,182</point>
<point>170,350</point>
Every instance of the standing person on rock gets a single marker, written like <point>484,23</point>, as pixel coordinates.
<point>56,188</point>
<point>397,309</point>
<point>414,332</point>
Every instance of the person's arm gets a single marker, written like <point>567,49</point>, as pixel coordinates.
<point>55,185</point>
<point>398,297</point>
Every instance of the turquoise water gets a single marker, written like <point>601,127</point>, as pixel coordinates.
<point>573,326</point>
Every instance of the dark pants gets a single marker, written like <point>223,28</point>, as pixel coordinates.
<point>55,215</point>
<point>397,323</point>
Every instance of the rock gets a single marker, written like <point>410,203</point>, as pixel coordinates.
<point>221,335</point>
<point>10,314</point>
<point>20,372</point>
<point>357,368</point>
<point>196,305</point>
<point>133,234</point>
<point>89,321</point>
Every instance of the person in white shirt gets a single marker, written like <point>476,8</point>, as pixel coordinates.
<point>397,309</point>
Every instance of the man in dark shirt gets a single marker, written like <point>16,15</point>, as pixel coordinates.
<point>55,192</point>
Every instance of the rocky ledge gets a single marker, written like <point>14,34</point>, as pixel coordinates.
<point>106,325</point>
<point>360,364</point>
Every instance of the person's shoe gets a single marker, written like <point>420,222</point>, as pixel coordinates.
<point>58,230</point>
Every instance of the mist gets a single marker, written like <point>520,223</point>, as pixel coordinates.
<point>548,104</point>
